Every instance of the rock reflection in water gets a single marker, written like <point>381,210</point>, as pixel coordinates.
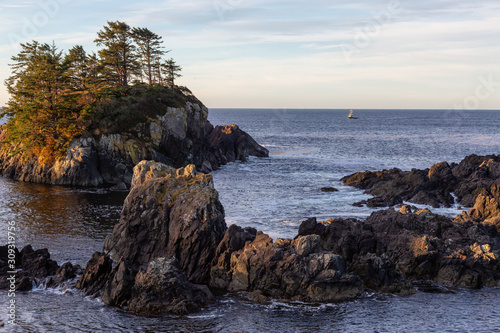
<point>71,223</point>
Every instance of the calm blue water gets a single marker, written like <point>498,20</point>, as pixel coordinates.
<point>309,149</point>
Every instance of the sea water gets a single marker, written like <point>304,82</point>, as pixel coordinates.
<point>309,149</point>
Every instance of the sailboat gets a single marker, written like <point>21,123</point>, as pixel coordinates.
<point>351,115</point>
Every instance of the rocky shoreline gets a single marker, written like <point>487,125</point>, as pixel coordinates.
<point>472,183</point>
<point>172,250</point>
<point>179,137</point>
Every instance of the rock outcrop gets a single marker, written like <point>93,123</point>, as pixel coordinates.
<point>230,143</point>
<point>164,244</point>
<point>287,269</point>
<point>32,267</point>
<point>419,246</point>
<point>474,175</point>
<point>178,137</point>
<point>169,213</point>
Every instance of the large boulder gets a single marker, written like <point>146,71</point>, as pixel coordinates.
<point>163,288</point>
<point>169,213</point>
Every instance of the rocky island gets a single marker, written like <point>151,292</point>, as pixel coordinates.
<point>82,120</point>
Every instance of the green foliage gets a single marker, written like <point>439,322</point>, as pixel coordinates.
<point>150,53</point>
<point>124,108</point>
<point>57,97</point>
<point>118,56</point>
<point>172,71</point>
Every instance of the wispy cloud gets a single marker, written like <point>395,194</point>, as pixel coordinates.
<point>285,53</point>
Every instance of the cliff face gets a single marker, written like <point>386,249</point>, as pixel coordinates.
<point>179,137</point>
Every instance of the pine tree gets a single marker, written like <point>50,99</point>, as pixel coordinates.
<point>149,50</point>
<point>118,54</point>
<point>171,71</point>
<point>41,110</point>
<point>77,67</point>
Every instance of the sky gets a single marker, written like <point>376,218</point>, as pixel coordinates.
<point>357,54</point>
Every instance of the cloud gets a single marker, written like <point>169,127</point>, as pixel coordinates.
<point>279,53</point>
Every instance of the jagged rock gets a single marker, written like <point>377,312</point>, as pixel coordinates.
<point>230,143</point>
<point>422,246</point>
<point>291,269</point>
<point>31,266</point>
<point>95,275</point>
<point>169,213</point>
<point>164,288</point>
<point>37,263</point>
<point>473,176</point>
<point>380,274</point>
<point>486,210</point>
<point>234,240</point>
<point>117,290</point>
<point>66,272</point>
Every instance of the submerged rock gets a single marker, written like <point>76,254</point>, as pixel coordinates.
<point>329,189</point>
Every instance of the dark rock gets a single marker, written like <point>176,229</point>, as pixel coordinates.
<point>329,189</point>
<point>234,240</point>
<point>380,274</point>
<point>473,176</point>
<point>230,143</point>
<point>418,246</point>
<point>169,213</point>
<point>164,288</point>
<point>292,269</point>
<point>31,267</point>
<point>24,283</point>
<point>37,263</point>
<point>96,274</point>
<point>66,272</point>
<point>117,290</point>
<point>433,287</point>
<point>383,201</point>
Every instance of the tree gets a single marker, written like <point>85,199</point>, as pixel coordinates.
<point>77,67</point>
<point>40,107</point>
<point>172,71</point>
<point>118,55</point>
<point>150,51</point>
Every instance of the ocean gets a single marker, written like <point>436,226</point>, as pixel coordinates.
<point>309,149</point>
